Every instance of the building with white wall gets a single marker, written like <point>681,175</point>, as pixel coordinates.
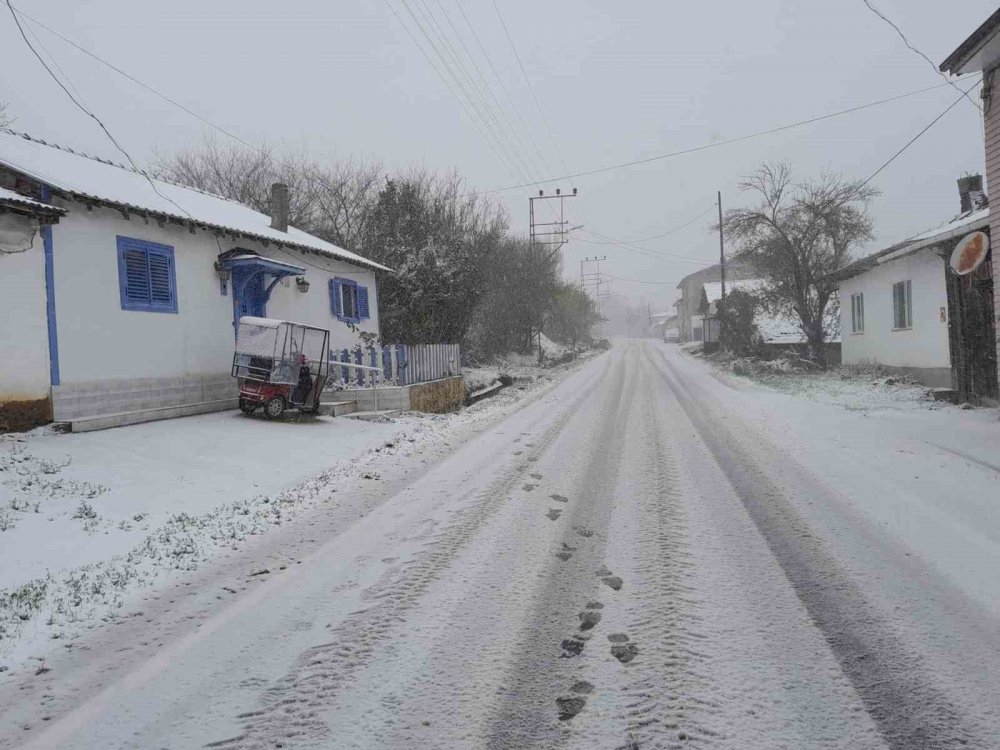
<point>24,361</point>
<point>894,304</point>
<point>141,283</point>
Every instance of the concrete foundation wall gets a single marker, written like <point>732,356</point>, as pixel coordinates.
<point>933,377</point>
<point>435,397</point>
<point>75,400</point>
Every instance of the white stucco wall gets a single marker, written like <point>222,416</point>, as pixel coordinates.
<point>925,345</point>
<point>24,354</point>
<point>98,340</point>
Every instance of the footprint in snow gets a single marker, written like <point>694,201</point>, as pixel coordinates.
<point>553,514</point>
<point>535,476</point>
<point>528,487</point>
<point>583,531</point>
<point>560,498</point>
<point>569,706</point>
<point>572,646</point>
<point>583,687</point>
<point>613,581</point>
<point>621,649</point>
<point>595,605</point>
<point>589,618</point>
<point>564,556</point>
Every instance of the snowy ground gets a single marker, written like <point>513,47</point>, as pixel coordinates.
<point>641,555</point>
<point>856,388</point>
<point>89,520</point>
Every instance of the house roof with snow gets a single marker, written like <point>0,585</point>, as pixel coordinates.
<point>978,52</point>
<point>713,289</point>
<point>78,176</point>
<point>17,202</point>
<point>961,225</point>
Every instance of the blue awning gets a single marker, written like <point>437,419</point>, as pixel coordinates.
<point>276,268</point>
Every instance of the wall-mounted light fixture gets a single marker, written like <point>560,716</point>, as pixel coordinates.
<point>302,284</point>
<point>224,275</point>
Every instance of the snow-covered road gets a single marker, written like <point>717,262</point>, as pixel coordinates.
<point>643,556</point>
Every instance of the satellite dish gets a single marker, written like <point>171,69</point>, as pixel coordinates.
<point>970,252</point>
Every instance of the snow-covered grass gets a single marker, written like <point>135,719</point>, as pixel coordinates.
<point>861,387</point>
<point>87,520</point>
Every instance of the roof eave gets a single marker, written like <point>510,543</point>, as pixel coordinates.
<point>31,208</point>
<point>208,226</point>
<point>954,63</point>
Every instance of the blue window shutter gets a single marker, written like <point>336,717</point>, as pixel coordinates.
<point>160,291</point>
<point>146,276</point>
<point>362,302</point>
<point>136,276</point>
<point>335,298</point>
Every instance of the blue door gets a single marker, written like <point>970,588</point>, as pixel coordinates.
<point>248,294</point>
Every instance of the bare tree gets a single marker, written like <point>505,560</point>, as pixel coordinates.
<point>798,234</point>
<point>5,119</point>
<point>329,200</point>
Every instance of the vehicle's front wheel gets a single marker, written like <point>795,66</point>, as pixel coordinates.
<point>274,408</point>
<point>247,407</point>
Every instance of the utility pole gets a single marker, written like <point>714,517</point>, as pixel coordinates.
<point>593,284</point>
<point>722,253</point>
<point>553,234</point>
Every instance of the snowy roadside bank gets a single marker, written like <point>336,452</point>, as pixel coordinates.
<point>138,507</point>
<point>865,387</point>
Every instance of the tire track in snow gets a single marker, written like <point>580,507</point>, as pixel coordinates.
<point>909,710</point>
<point>541,675</point>
<point>664,680</point>
<point>290,710</point>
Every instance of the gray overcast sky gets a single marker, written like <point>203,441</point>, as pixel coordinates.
<point>617,81</point>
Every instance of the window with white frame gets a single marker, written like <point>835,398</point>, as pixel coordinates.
<point>902,305</point>
<point>858,313</point>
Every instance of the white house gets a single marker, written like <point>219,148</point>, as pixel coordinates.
<point>894,303</point>
<point>128,303</point>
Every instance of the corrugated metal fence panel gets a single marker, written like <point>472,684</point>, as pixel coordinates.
<point>426,362</point>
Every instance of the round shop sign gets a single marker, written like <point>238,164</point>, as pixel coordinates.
<point>970,253</point>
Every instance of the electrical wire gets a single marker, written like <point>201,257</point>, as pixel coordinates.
<point>87,111</point>
<point>469,107</point>
<point>913,140</point>
<point>641,281</point>
<point>715,144</point>
<point>616,241</point>
<point>531,88</point>
<point>930,62</point>
<point>503,86</point>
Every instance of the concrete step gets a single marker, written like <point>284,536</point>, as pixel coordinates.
<point>121,419</point>
<point>374,416</point>
<point>338,408</point>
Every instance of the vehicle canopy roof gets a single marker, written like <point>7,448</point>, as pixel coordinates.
<point>274,323</point>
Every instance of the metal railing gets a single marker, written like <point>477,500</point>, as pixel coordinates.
<point>376,374</point>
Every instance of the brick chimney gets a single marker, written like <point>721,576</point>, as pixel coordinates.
<point>970,192</point>
<point>279,206</point>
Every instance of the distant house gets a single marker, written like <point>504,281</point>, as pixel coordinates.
<point>895,302</point>
<point>120,292</point>
<point>689,313</point>
<point>975,361</point>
